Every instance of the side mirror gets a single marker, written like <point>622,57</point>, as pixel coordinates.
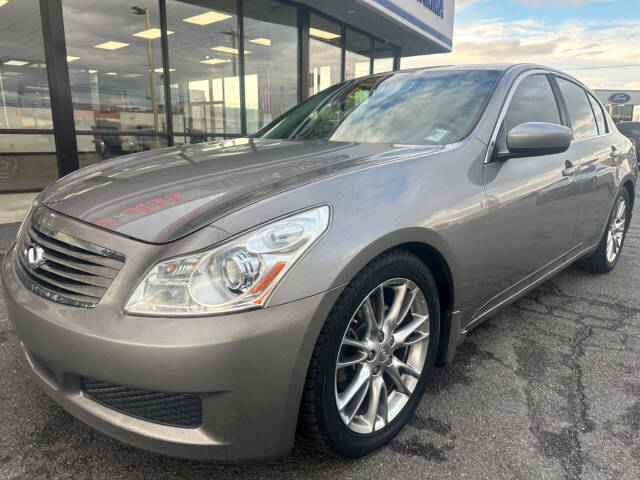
<point>538,138</point>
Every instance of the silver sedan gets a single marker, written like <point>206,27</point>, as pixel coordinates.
<point>208,301</point>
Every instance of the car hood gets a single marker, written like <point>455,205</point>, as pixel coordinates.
<point>163,195</point>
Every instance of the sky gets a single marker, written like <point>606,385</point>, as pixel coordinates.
<point>597,41</point>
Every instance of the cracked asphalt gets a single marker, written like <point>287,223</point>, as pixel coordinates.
<point>547,389</point>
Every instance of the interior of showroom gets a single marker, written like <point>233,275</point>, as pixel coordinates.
<point>84,81</point>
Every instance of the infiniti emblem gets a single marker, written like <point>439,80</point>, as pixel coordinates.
<point>383,355</point>
<point>35,256</point>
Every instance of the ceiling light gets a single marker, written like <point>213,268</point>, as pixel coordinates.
<point>3,2</point>
<point>12,74</point>
<point>113,74</point>
<point>315,32</point>
<point>215,61</point>
<point>92,71</point>
<point>151,33</point>
<point>206,18</point>
<point>262,41</point>
<point>111,45</point>
<point>71,59</point>
<point>132,75</point>
<point>15,63</point>
<point>233,51</point>
<point>161,70</point>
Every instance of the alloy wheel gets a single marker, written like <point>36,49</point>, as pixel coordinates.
<point>382,355</point>
<point>616,230</point>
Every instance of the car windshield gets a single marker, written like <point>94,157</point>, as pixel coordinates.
<point>629,129</point>
<point>429,107</point>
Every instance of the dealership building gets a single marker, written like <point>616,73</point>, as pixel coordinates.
<point>622,105</point>
<point>81,81</point>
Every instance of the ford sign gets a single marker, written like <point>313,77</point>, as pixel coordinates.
<point>619,98</point>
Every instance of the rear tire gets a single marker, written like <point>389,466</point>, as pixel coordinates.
<point>606,256</point>
<point>379,408</point>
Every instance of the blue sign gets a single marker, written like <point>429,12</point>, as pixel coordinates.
<point>619,97</point>
<point>436,6</point>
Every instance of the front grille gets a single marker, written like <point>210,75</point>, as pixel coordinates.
<point>174,409</point>
<point>63,268</point>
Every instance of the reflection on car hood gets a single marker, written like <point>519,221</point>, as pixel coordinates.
<point>162,195</point>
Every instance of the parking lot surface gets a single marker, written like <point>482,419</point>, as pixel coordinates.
<point>548,388</point>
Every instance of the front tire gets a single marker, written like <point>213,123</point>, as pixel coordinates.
<point>606,256</point>
<point>373,357</point>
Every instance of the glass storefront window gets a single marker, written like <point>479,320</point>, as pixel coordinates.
<point>115,65</point>
<point>324,53</point>
<point>382,57</point>
<point>27,162</point>
<point>24,89</point>
<point>203,52</point>
<point>357,55</point>
<point>96,148</point>
<point>117,75</point>
<point>271,60</point>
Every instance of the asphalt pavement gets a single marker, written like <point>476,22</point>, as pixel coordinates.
<point>547,389</point>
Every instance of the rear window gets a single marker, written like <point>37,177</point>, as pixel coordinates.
<point>417,108</point>
<point>582,120</point>
<point>597,110</point>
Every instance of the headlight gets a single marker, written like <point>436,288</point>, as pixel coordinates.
<point>33,206</point>
<point>237,275</point>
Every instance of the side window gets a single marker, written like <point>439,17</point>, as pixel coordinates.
<point>597,110</point>
<point>533,101</point>
<point>580,113</point>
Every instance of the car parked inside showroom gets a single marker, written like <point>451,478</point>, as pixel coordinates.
<point>210,301</point>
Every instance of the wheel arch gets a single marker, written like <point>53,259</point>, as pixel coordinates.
<point>630,186</point>
<point>435,253</point>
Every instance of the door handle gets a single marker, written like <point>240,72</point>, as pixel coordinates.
<point>569,169</point>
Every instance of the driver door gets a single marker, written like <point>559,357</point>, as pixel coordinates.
<point>532,202</point>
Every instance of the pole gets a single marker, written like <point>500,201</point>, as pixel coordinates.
<point>152,83</point>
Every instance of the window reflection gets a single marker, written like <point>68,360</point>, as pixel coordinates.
<point>324,53</point>
<point>205,86</point>
<point>382,57</point>
<point>27,162</point>
<point>24,90</point>
<point>115,65</point>
<point>271,61</point>
<point>357,55</point>
<point>412,108</point>
<point>95,148</point>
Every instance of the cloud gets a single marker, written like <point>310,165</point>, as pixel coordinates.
<point>558,3</point>
<point>462,5</point>
<point>508,50</point>
<point>580,46</point>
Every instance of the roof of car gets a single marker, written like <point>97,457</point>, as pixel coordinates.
<point>502,67</point>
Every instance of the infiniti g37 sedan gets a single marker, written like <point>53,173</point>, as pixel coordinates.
<point>210,301</point>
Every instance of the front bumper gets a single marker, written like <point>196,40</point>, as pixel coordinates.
<point>247,368</point>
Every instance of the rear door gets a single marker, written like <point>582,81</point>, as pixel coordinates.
<point>598,152</point>
<point>532,204</point>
